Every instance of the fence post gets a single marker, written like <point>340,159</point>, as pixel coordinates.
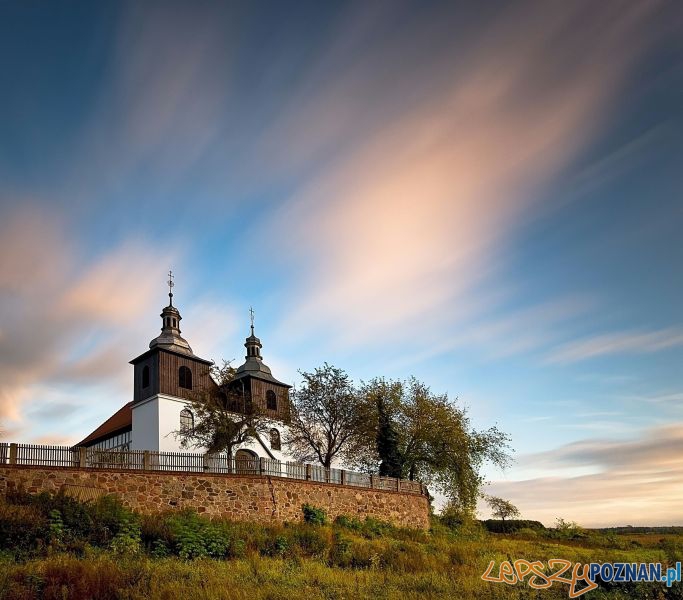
<point>146,461</point>
<point>343,476</point>
<point>261,466</point>
<point>3,453</point>
<point>372,481</point>
<point>398,484</point>
<point>13,454</point>
<point>308,472</point>
<point>206,462</point>
<point>82,457</point>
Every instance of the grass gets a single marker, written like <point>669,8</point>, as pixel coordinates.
<point>118,555</point>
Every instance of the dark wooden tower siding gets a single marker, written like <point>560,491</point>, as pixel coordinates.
<point>164,371</point>
<point>259,388</point>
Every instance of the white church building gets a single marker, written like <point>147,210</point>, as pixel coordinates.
<point>168,375</point>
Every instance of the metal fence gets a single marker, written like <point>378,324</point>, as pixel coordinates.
<point>191,462</point>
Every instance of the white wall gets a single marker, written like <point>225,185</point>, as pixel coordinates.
<point>157,418</point>
<point>146,425</point>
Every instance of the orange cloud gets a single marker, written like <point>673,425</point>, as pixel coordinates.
<point>411,215</point>
<point>51,314</point>
<point>636,482</point>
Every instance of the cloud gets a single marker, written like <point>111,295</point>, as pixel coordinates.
<point>66,319</point>
<point>636,481</point>
<point>399,232</point>
<point>627,342</point>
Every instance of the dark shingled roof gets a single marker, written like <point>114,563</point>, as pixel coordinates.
<point>121,420</point>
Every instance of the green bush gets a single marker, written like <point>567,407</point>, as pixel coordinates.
<point>511,525</point>
<point>22,528</point>
<point>196,537</point>
<point>312,541</point>
<point>314,515</point>
<point>57,520</point>
<point>352,523</point>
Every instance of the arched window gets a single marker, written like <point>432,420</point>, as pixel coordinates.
<point>186,421</point>
<point>271,400</point>
<point>145,376</point>
<point>275,442</point>
<point>185,378</point>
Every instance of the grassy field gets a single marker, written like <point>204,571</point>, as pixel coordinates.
<point>58,549</point>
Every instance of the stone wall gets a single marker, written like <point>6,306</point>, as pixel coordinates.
<point>238,497</point>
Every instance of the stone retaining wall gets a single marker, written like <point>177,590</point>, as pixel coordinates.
<point>238,497</point>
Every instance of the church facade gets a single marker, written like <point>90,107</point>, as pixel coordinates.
<point>168,375</point>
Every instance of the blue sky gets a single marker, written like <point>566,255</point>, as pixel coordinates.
<point>488,199</point>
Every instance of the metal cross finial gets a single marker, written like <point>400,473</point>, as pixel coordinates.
<point>170,286</point>
<point>251,316</point>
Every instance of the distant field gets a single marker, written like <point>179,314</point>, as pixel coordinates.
<point>57,549</point>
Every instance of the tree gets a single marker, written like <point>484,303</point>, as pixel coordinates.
<point>324,416</point>
<point>224,417</point>
<point>387,443</point>
<point>500,508</point>
<point>435,440</point>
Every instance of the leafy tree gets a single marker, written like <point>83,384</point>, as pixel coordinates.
<point>387,441</point>
<point>435,441</point>
<point>323,416</point>
<point>501,508</point>
<point>224,417</point>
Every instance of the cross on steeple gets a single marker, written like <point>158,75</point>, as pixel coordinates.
<point>170,287</point>
<point>251,317</point>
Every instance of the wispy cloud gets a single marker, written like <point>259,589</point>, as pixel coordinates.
<point>66,319</point>
<point>403,228</point>
<point>636,481</point>
<point>627,342</point>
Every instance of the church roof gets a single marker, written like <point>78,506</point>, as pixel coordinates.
<point>255,367</point>
<point>121,420</point>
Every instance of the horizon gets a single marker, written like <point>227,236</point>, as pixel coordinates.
<point>485,198</point>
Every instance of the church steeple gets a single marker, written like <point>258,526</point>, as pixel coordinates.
<point>170,325</point>
<point>252,343</point>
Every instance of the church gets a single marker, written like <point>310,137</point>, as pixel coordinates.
<point>166,376</point>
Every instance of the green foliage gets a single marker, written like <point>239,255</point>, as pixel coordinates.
<point>33,523</point>
<point>193,536</point>
<point>387,442</point>
<point>511,526</point>
<point>324,416</point>
<point>431,435</point>
<point>349,522</point>
<point>314,515</point>
<point>567,530</point>
<point>501,508</point>
<point>351,558</point>
<point>224,419</point>
<point>23,528</point>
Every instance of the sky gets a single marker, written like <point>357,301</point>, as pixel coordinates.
<point>486,196</point>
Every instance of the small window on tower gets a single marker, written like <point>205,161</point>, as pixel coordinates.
<point>275,442</point>
<point>271,400</point>
<point>185,378</point>
<point>145,376</point>
<point>174,322</point>
<point>186,421</point>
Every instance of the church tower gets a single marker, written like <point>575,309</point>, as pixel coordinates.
<point>165,377</point>
<point>255,378</point>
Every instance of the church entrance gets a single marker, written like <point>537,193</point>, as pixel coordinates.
<point>246,462</point>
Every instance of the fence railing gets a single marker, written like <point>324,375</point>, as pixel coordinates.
<point>191,462</point>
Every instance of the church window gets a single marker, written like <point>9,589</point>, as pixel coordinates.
<point>185,378</point>
<point>186,421</point>
<point>275,442</point>
<point>174,322</point>
<point>145,376</point>
<point>271,400</point>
